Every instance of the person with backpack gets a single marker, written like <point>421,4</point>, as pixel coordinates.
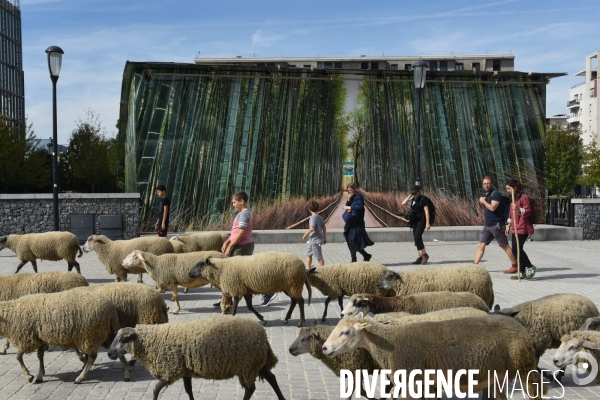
<point>495,214</point>
<point>420,219</point>
<point>522,211</point>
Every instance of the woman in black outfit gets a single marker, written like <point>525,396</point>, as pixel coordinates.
<point>419,220</point>
<point>354,230</point>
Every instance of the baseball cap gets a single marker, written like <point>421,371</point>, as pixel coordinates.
<point>414,189</point>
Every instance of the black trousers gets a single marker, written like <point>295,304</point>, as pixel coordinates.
<point>522,238</point>
<point>418,230</point>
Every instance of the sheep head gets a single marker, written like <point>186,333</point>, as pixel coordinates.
<point>388,280</point>
<point>3,240</point>
<point>498,311</point>
<point>359,303</point>
<point>202,269</point>
<point>302,343</point>
<point>121,344</point>
<point>592,324</point>
<point>346,336</point>
<point>176,238</point>
<point>89,243</point>
<point>134,259</point>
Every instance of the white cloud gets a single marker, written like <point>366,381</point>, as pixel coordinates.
<point>260,39</point>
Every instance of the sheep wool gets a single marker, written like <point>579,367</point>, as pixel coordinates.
<point>338,280</point>
<point>50,246</point>
<point>434,316</point>
<point>203,241</point>
<point>455,278</point>
<point>573,343</point>
<point>112,252</point>
<point>17,285</point>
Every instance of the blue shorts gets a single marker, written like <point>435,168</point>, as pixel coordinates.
<point>314,250</point>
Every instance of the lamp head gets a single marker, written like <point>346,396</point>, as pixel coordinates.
<point>419,70</point>
<point>54,60</point>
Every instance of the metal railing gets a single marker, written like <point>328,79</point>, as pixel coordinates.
<point>560,212</point>
<point>573,102</point>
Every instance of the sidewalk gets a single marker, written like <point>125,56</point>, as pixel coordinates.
<point>564,267</point>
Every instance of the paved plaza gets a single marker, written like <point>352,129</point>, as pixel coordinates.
<point>563,267</point>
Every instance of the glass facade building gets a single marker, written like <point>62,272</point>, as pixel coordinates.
<point>12,87</point>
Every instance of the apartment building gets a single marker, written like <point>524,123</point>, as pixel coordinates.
<point>12,87</point>
<point>446,62</point>
<point>583,103</point>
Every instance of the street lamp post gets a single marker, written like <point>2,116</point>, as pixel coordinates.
<point>420,70</point>
<point>54,62</point>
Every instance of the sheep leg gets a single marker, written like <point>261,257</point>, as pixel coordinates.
<point>290,310</point>
<point>82,357</point>
<point>327,300</point>
<point>161,384</point>
<point>248,392</point>
<point>186,289</point>
<point>86,367</point>
<point>175,299</point>
<point>341,302</point>
<point>174,289</point>
<point>248,298</point>
<point>42,370</point>
<point>24,369</point>
<point>76,265</point>
<point>5,346</point>
<point>270,377</point>
<point>34,265</point>
<point>140,278</point>
<point>125,368</point>
<point>234,306</point>
<point>23,262</point>
<point>187,384</point>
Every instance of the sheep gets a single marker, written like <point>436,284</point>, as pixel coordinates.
<point>179,246</point>
<point>70,319</point>
<point>489,344</point>
<point>203,241</point>
<point>112,252</point>
<point>418,303</point>
<point>211,348</point>
<point>440,315</point>
<point>310,340</point>
<point>592,324</point>
<point>338,280</point>
<point>572,344</point>
<point>549,318</point>
<point>170,269</point>
<point>455,278</point>
<point>51,246</point>
<point>262,273</point>
<point>14,286</point>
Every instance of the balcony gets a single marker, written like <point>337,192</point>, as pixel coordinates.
<point>573,119</point>
<point>573,103</point>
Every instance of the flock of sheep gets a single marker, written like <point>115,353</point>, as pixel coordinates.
<point>446,314</point>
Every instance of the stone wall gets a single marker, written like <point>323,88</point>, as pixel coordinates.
<point>32,213</point>
<point>587,217</point>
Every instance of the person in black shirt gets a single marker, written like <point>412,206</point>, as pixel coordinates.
<point>162,224</point>
<point>419,220</point>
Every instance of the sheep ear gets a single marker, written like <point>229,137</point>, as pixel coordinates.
<point>360,315</point>
<point>360,327</point>
<point>207,261</point>
<point>3,239</point>
<point>371,315</point>
<point>590,346</point>
<point>141,257</point>
<point>311,270</point>
<point>497,308</point>
<point>128,337</point>
<point>397,276</point>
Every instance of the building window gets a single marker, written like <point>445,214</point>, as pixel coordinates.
<point>374,65</point>
<point>327,65</point>
<point>476,66</point>
<point>592,94</point>
<point>408,67</point>
<point>338,65</point>
<point>306,66</point>
<point>364,65</point>
<point>459,66</point>
<point>433,65</point>
<point>394,67</point>
<point>443,65</point>
<point>496,65</point>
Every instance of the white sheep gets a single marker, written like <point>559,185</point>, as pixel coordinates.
<point>211,348</point>
<point>170,269</point>
<point>574,343</point>
<point>440,315</point>
<point>488,344</point>
<point>203,241</point>
<point>454,278</point>
<point>112,252</point>
<point>179,246</point>
<point>14,286</point>
<point>417,303</point>
<point>549,318</point>
<point>338,280</point>
<point>261,273</point>
<point>51,246</point>
<point>70,319</point>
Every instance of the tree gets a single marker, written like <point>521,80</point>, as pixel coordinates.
<point>24,167</point>
<point>591,165</point>
<point>564,155</point>
<point>86,165</point>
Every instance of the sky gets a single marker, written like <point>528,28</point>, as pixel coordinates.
<point>98,37</point>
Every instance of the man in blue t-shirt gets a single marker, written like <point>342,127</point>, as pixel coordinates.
<point>495,223</point>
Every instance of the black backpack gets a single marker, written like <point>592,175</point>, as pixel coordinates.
<point>505,204</point>
<point>432,212</point>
